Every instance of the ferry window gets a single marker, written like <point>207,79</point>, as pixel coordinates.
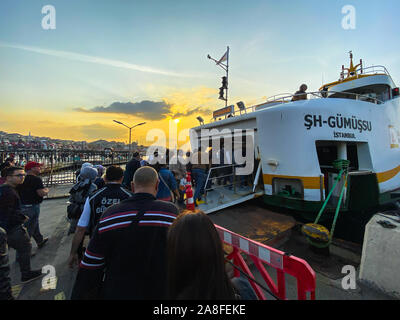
<point>352,156</point>
<point>369,93</point>
<point>327,153</point>
<point>380,92</point>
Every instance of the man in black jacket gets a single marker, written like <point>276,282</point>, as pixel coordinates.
<point>5,281</point>
<point>130,170</point>
<point>128,247</point>
<point>12,219</point>
<point>112,193</point>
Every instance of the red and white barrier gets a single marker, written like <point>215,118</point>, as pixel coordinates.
<point>261,254</point>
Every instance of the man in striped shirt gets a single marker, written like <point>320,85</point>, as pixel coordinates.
<point>128,248</point>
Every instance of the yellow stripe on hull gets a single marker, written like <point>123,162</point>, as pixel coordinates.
<point>314,182</point>
<point>387,175</point>
<point>308,182</point>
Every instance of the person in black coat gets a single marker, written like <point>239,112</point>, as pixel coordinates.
<point>5,281</point>
<point>130,170</point>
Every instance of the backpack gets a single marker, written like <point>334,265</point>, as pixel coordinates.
<point>77,201</point>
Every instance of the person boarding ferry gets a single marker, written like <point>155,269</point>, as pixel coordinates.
<point>128,248</point>
<point>112,193</point>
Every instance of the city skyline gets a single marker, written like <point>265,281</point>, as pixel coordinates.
<point>147,62</point>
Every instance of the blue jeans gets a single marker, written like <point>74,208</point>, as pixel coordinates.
<point>244,288</point>
<point>32,225</point>
<point>199,176</point>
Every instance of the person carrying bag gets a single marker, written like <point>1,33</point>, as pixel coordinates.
<point>167,189</point>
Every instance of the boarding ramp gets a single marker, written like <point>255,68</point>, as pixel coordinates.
<point>233,190</point>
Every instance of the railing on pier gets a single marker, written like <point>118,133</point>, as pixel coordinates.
<point>59,166</point>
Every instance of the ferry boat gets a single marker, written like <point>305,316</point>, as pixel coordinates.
<point>356,118</point>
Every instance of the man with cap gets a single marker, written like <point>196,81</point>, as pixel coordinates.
<point>31,193</point>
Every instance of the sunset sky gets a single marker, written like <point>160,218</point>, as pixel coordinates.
<point>136,61</point>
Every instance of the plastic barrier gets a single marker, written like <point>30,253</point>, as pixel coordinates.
<point>189,193</point>
<point>189,198</point>
<point>262,254</point>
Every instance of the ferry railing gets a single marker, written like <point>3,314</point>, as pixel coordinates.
<point>261,255</point>
<point>279,96</point>
<point>378,69</point>
<point>323,94</point>
<point>286,98</point>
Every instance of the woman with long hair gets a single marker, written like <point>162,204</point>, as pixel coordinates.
<point>196,267</point>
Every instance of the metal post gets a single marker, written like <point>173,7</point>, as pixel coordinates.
<point>130,130</point>
<point>234,178</point>
<point>205,187</point>
<point>227,79</point>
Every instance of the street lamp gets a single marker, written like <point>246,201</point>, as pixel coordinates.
<point>130,129</point>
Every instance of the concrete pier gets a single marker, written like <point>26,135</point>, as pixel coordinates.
<point>380,262</point>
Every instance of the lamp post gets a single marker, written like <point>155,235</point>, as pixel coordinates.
<point>130,130</point>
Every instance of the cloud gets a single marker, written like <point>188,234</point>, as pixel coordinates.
<point>173,104</point>
<point>99,131</point>
<point>145,109</point>
<point>93,59</point>
<point>198,110</point>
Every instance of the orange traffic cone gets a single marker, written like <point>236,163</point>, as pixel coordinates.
<point>189,198</point>
<point>188,178</point>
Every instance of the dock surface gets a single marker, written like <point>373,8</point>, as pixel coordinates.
<point>248,219</point>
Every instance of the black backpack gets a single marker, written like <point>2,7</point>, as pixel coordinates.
<point>77,201</point>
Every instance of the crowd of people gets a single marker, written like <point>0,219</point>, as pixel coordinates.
<point>131,239</point>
